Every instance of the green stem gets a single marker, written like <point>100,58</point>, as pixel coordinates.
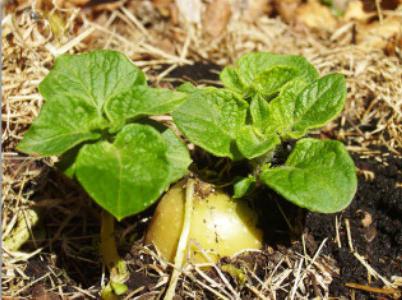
<point>113,262</point>
<point>258,162</point>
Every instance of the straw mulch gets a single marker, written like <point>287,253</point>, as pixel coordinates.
<point>156,35</point>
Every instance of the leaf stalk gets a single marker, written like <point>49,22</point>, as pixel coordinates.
<point>110,256</point>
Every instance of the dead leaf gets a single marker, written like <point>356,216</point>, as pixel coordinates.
<point>315,15</point>
<point>355,12</point>
<point>340,5</point>
<point>166,44</point>
<point>163,6</point>
<point>216,17</point>
<point>371,5</point>
<point>378,34</point>
<point>256,8</point>
<point>287,9</point>
<point>393,45</point>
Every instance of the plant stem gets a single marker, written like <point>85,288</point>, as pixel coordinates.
<point>258,162</point>
<point>182,245</point>
<point>114,263</point>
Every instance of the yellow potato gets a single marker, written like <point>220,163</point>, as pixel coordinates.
<point>219,226</point>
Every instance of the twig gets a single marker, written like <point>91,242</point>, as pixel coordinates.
<point>379,11</point>
<point>386,291</point>
<point>338,238</point>
<point>349,235</point>
<point>294,289</point>
<point>256,292</point>
<point>371,270</point>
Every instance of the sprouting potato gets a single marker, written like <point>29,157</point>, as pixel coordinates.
<point>220,226</point>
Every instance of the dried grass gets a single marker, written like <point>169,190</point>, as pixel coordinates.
<point>30,43</point>
<point>264,274</point>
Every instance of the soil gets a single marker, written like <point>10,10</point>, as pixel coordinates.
<point>375,223</point>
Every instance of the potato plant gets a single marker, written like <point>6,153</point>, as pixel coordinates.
<point>96,120</point>
<point>268,99</point>
<point>93,119</point>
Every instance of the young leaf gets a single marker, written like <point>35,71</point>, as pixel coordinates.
<point>249,67</point>
<point>231,80</point>
<point>314,106</point>
<point>278,114</point>
<point>127,176</point>
<point>75,91</point>
<point>243,186</point>
<point>269,82</point>
<point>177,154</point>
<point>142,101</point>
<point>319,103</point>
<point>318,175</point>
<point>259,111</point>
<point>187,88</point>
<point>260,137</point>
<point>252,143</point>
<point>211,119</point>
<point>253,64</point>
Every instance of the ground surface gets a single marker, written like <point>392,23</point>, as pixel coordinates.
<point>317,257</point>
<point>376,227</point>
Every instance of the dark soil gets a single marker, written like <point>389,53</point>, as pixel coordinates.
<point>379,241</point>
<point>375,218</point>
<point>198,73</point>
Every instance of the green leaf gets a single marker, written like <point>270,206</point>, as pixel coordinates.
<point>253,64</point>
<point>187,88</point>
<point>243,186</point>
<point>260,137</point>
<point>250,68</point>
<point>127,176</point>
<point>252,143</point>
<point>314,106</point>
<point>319,103</point>
<point>142,101</point>
<point>211,119</point>
<point>231,80</point>
<point>75,91</point>
<point>260,114</point>
<point>278,114</point>
<point>318,175</point>
<point>60,126</point>
<point>268,83</point>
<point>177,154</point>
